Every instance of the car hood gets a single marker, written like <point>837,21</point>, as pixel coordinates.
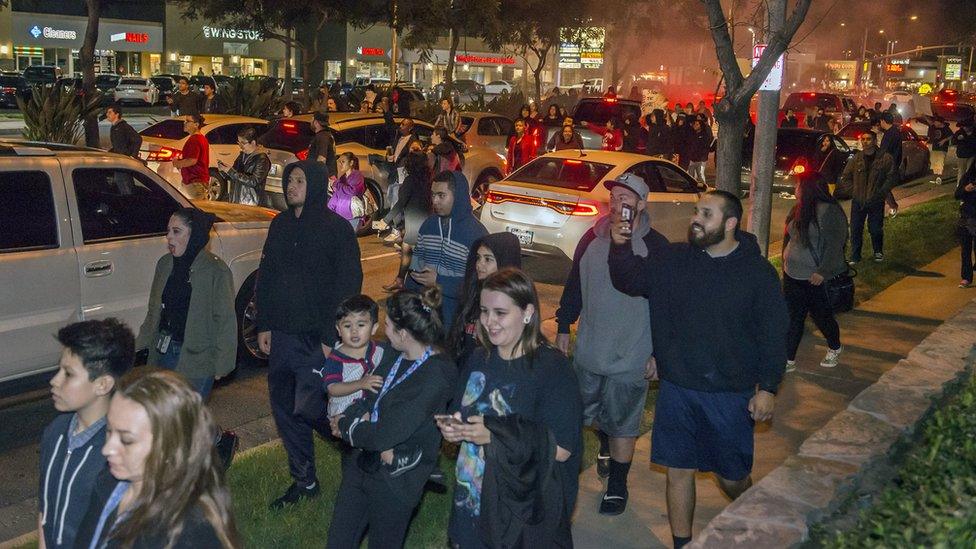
<point>239,215</point>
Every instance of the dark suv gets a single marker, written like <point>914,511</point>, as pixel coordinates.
<point>11,87</point>
<point>45,75</point>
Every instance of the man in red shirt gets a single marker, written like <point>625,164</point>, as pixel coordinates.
<point>194,163</point>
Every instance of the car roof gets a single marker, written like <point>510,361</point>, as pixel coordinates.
<point>212,119</point>
<point>605,157</point>
<point>351,118</point>
<point>20,147</point>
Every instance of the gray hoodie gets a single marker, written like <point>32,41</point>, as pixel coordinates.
<point>614,333</point>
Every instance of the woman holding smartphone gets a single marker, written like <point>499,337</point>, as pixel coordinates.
<point>417,383</point>
<point>516,392</point>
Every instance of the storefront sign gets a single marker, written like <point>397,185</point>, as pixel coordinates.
<point>221,33</point>
<point>774,81</point>
<point>134,37</point>
<point>485,60</point>
<point>953,68</point>
<point>52,33</point>
<point>901,61</point>
<point>891,68</point>
<point>585,52</point>
<point>370,52</point>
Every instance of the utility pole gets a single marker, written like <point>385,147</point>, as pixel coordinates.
<point>393,50</point>
<point>861,80</point>
<point>764,144</point>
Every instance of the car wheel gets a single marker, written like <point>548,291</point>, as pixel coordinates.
<point>248,352</point>
<point>217,187</point>
<point>480,189</point>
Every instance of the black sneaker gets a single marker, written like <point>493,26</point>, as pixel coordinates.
<point>602,466</point>
<point>295,494</point>
<point>404,462</point>
<point>613,504</point>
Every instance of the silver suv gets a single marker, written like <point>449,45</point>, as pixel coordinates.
<point>80,232</point>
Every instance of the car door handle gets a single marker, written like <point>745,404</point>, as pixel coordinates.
<point>96,269</point>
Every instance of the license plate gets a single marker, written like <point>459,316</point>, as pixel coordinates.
<point>524,236</point>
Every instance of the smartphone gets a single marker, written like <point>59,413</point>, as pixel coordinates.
<point>627,213</point>
<point>447,419</point>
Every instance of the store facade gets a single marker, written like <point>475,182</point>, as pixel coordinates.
<point>199,46</point>
<point>123,47</point>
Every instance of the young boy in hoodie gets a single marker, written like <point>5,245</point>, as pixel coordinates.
<point>445,240</point>
<point>96,354</point>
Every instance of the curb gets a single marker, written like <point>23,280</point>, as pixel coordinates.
<point>779,510</point>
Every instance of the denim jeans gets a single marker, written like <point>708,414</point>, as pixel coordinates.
<point>171,358</point>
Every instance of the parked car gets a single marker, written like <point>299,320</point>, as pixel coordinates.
<point>163,142</point>
<point>552,201</point>
<point>165,84</point>
<point>796,149</point>
<point>83,231</point>
<point>197,82</point>
<point>487,129</point>
<point>363,135</point>
<point>497,87</point>
<point>806,104</point>
<point>136,90</point>
<point>464,91</point>
<point>914,152</point>
<point>595,111</point>
<point>12,87</point>
<point>952,113</point>
<point>45,75</point>
<point>106,83</point>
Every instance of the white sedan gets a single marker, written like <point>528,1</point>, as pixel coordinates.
<point>136,90</point>
<point>497,87</point>
<point>553,200</point>
<point>163,142</point>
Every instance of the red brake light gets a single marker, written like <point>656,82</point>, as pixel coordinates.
<point>8,90</point>
<point>950,104</point>
<point>560,206</point>
<point>289,127</point>
<point>302,154</point>
<point>799,168</point>
<point>164,154</point>
<point>609,99</point>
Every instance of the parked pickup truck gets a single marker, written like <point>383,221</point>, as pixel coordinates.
<point>595,111</point>
<point>81,232</point>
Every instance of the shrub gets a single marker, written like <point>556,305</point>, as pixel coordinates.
<point>251,98</point>
<point>55,115</point>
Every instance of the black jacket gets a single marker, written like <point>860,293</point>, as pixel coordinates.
<point>891,144</point>
<point>248,177</point>
<point>323,144</point>
<point>522,504</point>
<point>309,265</point>
<point>215,105</point>
<point>831,164</point>
<point>406,417</point>
<point>125,140</point>
<point>967,200</point>
<point>659,140</point>
<point>821,122</point>
<point>185,104</point>
<point>939,138</point>
<point>699,144</point>
<point>718,324</point>
<point>965,143</point>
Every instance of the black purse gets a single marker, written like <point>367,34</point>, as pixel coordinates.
<point>840,288</point>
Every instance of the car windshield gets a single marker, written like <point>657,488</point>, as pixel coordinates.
<point>599,111</point>
<point>132,82</point>
<point>565,173</point>
<point>802,101</point>
<point>952,113</point>
<point>167,129</point>
<point>289,135</point>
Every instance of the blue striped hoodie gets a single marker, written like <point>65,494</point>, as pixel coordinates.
<point>444,243</point>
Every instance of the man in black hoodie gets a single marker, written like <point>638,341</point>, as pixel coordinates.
<point>719,327</point>
<point>310,265</point>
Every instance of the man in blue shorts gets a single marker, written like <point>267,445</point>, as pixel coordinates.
<point>718,323</point>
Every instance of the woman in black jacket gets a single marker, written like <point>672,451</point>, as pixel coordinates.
<point>250,171</point>
<point>658,135</point>
<point>413,203</point>
<point>829,161</point>
<point>418,380</point>
<point>966,194</point>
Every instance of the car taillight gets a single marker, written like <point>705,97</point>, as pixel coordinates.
<point>290,127</point>
<point>609,99</point>
<point>164,154</point>
<point>799,168</point>
<point>302,155</point>
<point>581,209</point>
<point>8,90</point>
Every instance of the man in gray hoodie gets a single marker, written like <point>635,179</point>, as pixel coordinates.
<point>614,354</point>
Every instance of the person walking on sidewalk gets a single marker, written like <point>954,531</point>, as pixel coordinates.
<point>939,137</point>
<point>966,194</point>
<point>870,175</point>
<point>891,140</point>
<point>613,342</point>
<point>309,266</point>
<point>813,253</point>
<point>965,141</point>
<point>719,329</point>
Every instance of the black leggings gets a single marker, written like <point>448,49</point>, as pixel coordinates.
<point>803,298</point>
<point>366,502</point>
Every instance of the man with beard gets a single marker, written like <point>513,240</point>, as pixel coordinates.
<point>718,325</point>
<point>309,266</point>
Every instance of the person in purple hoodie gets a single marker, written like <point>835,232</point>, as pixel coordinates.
<point>348,186</point>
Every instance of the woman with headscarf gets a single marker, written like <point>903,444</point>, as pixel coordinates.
<point>190,326</point>
<point>488,254</point>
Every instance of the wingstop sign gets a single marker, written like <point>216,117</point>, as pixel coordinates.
<point>774,81</point>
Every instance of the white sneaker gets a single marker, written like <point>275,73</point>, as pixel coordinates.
<point>938,180</point>
<point>832,358</point>
<point>790,366</point>
<point>393,236</point>
<point>380,225</point>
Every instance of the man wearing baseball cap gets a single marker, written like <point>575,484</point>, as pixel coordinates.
<point>613,355</point>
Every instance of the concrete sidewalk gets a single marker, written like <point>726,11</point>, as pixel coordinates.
<point>875,336</point>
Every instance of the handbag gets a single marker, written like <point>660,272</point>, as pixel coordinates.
<point>840,288</point>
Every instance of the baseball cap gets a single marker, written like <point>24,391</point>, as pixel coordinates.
<point>632,182</point>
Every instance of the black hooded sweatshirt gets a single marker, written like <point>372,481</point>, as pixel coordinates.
<point>309,265</point>
<point>176,293</point>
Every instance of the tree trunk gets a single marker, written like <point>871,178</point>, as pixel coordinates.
<point>732,123</point>
<point>86,58</point>
<point>542,54</point>
<point>286,89</point>
<point>449,72</point>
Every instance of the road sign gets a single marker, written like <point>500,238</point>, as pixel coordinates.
<point>774,81</point>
